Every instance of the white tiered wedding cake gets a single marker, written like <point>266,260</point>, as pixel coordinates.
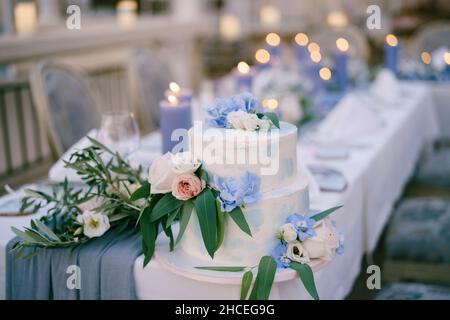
<point>283,190</point>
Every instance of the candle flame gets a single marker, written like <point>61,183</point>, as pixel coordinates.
<point>316,56</point>
<point>337,19</point>
<point>243,67</point>
<point>174,87</point>
<point>172,100</point>
<point>271,104</point>
<point>301,39</point>
<point>426,57</point>
<point>325,73</point>
<point>391,40</point>
<point>270,15</point>
<point>342,44</point>
<point>313,46</point>
<point>262,56</point>
<point>447,58</point>
<point>273,39</point>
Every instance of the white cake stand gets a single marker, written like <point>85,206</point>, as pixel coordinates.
<point>183,264</point>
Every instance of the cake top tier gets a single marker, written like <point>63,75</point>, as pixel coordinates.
<point>271,154</point>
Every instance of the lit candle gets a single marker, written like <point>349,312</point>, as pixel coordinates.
<point>273,41</point>
<point>391,53</point>
<point>270,16</point>
<point>243,76</point>
<point>174,114</point>
<point>271,105</point>
<point>25,15</point>
<point>230,27</point>
<point>325,74</point>
<point>314,67</point>
<point>340,62</point>
<point>127,13</point>
<point>302,40</point>
<point>181,94</point>
<point>262,56</point>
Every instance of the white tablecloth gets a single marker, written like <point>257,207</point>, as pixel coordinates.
<point>376,174</point>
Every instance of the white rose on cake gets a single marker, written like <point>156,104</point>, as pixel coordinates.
<point>247,121</point>
<point>185,162</point>
<point>236,119</point>
<point>288,232</point>
<point>323,245</point>
<point>166,169</point>
<point>94,224</point>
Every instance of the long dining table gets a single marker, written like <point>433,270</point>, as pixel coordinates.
<point>377,169</point>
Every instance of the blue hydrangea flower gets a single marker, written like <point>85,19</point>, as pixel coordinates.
<point>245,102</point>
<point>217,114</point>
<point>303,224</point>
<point>279,255</point>
<point>340,247</point>
<point>237,192</point>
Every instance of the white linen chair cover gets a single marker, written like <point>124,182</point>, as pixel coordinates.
<point>66,104</point>
<point>149,78</point>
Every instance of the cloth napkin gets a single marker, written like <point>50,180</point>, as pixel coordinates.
<point>347,122</point>
<point>58,172</point>
<point>386,87</point>
<point>142,157</point>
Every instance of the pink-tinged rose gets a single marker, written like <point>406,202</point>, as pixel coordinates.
<point>187,186</point>
<point>323,245</point>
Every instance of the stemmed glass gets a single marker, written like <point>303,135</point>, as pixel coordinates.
<point>119,131</point>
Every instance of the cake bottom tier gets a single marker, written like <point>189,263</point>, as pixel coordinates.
<point>264,219</point>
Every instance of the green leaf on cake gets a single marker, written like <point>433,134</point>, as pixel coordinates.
<point>172,217</point>
<point>322,215</point>
<point>246,283</point>
<point>272,116</point>
<point>307,277</point>
<point>223,269</point>
<point>142,192</point>
<point>264,279</point>
<point>238,217</point>
<point>186,212</point>
<point>220,225</point>
<point>46,231</point>
<point>165,206</point>
<point>149,232</point>
<point>206,212</point>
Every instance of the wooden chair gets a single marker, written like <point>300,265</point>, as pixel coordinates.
<point>149,78</point>
<point>67,105</point>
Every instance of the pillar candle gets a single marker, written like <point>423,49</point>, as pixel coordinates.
<point>340,62</point>
<point>182,94</point>
<point>391,53</point>
<point>243,77</point>
<point>174,114</point>
<point>301,50</point>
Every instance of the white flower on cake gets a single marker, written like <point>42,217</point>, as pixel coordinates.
<point>165,170</point>
<point>184,162</point>
<point>162,174</point>
<point>324,244</point>
<point>187,186</point>
<point>94,224</point>
<point>242,120</point>
<point>288,232</point>
<point>296,252</point>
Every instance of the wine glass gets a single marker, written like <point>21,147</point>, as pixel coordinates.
<point>119,131</point>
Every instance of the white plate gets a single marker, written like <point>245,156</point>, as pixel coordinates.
<point>182,264</point>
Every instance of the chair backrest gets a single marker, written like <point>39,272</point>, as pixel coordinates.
<point>326,38</point>
<point>149,78</point>
<point>430,37</point>
<point>66,104</point>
